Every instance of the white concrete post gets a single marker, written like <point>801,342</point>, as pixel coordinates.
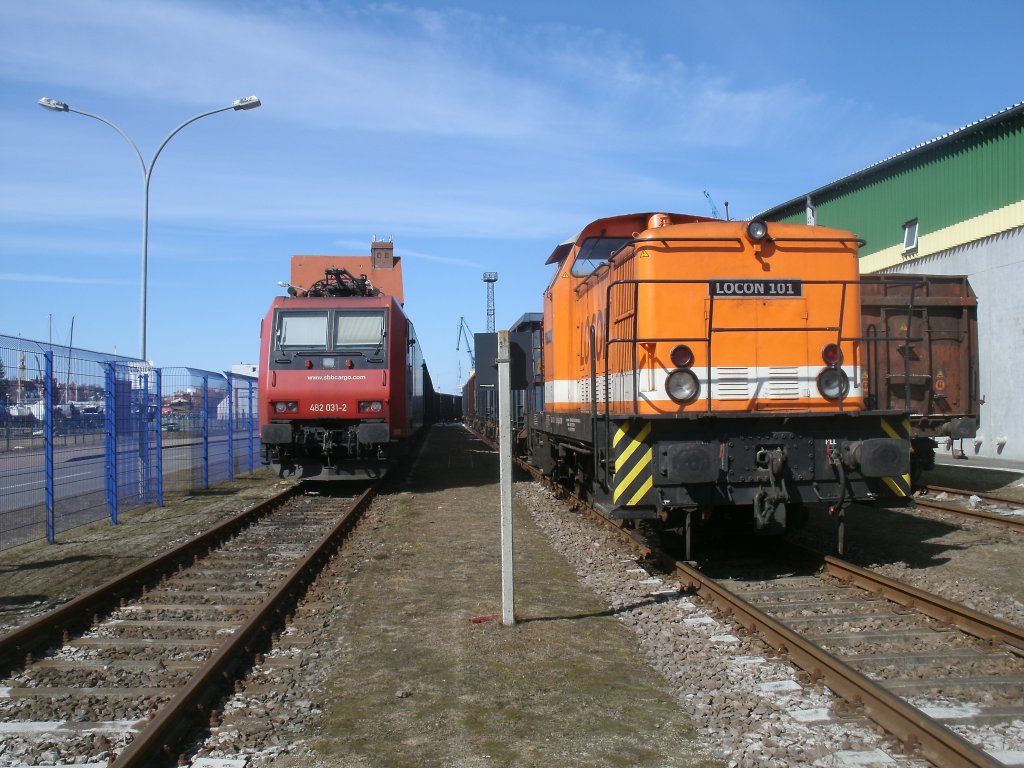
<point>505,463</point>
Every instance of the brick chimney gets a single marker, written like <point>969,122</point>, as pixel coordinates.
<point>382,254</point>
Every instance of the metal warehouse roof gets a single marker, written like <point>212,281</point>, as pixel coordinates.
<point>906,154</point>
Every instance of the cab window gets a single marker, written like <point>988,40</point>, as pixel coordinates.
<point>358,328</point>
<point>594,252</point>
<point>302,330</point>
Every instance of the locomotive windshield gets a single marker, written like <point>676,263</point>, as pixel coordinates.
<point>359,328</point>
<point>594,252</point>
<point>325,331</point>
<point>302,330</point>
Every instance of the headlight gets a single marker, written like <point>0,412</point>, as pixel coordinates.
<point>682,386</point>
<point>374,406</point>
<point>757,230</point>
<point>833,383</point>
<point>279,407</point>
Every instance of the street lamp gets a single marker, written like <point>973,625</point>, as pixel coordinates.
<point>249,102</point>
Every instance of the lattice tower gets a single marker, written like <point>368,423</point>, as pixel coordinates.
<point>490,278</point>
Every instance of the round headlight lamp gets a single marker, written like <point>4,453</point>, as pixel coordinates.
<point>757,230</point>
<point>833,383</point>
<point>280,407</point>
<point>682,386</point>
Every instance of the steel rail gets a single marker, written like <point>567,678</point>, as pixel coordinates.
<point>15,645</point>
<point>970,621</point>
<point>961,492</point>
<point>911,726</point>
<point>153,744</point>
<point>1003,521</point>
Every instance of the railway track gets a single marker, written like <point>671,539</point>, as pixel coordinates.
<point>942,679</point>
<point>998,510</point>
<point>123,673</point>
<point>937,676</point>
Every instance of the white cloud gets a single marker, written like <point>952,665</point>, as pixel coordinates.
<point>326,71</point>
<point>405,252</point>
<point>361,247</point>
<point>380,117</point>
<point>389,69</point>
<point>17,277</point>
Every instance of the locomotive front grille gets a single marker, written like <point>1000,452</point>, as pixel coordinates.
<point>734,383</point>
<point>744,383</point>
<point>783,383</point>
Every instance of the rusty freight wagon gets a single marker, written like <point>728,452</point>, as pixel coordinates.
<point>921,334</point>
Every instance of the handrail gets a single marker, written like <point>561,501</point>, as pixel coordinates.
<point>861,242</point>
<point>634,339</point>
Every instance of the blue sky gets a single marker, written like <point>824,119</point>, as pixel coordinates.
<point>476,134</point>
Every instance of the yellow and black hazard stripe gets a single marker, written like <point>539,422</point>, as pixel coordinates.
<point>899,484</point>
<point>633,455</point>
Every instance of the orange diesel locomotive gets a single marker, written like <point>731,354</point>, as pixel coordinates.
<point>693,364</point>
<point>342,381</point>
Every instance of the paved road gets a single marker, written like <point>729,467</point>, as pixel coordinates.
<point>80,470</point>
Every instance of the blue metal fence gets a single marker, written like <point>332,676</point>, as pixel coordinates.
<point>84,436</point>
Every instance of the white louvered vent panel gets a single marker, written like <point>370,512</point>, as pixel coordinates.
<point>784,383</point>
<point>583,391</point>
<point>622,387</point>
<point>734,383</point>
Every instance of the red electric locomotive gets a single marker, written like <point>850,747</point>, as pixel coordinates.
<point>341,381</point>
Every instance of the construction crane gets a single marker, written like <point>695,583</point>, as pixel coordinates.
<point>714,208</point>
<point>465,332</point>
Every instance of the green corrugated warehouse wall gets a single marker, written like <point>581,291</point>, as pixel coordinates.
<point>976,172</point>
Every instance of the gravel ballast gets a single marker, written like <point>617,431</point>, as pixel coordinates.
<point>607,665</point>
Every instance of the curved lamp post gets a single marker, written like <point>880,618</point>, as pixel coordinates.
<point>249,102</point>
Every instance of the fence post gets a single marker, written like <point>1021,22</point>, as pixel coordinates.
<point>111,440</point>
<point>206,431</point>
<point>231,428</point>
<point>159,376</point>
<point>48,443</point>
<point>144,439</point>
<point>252,462</point>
